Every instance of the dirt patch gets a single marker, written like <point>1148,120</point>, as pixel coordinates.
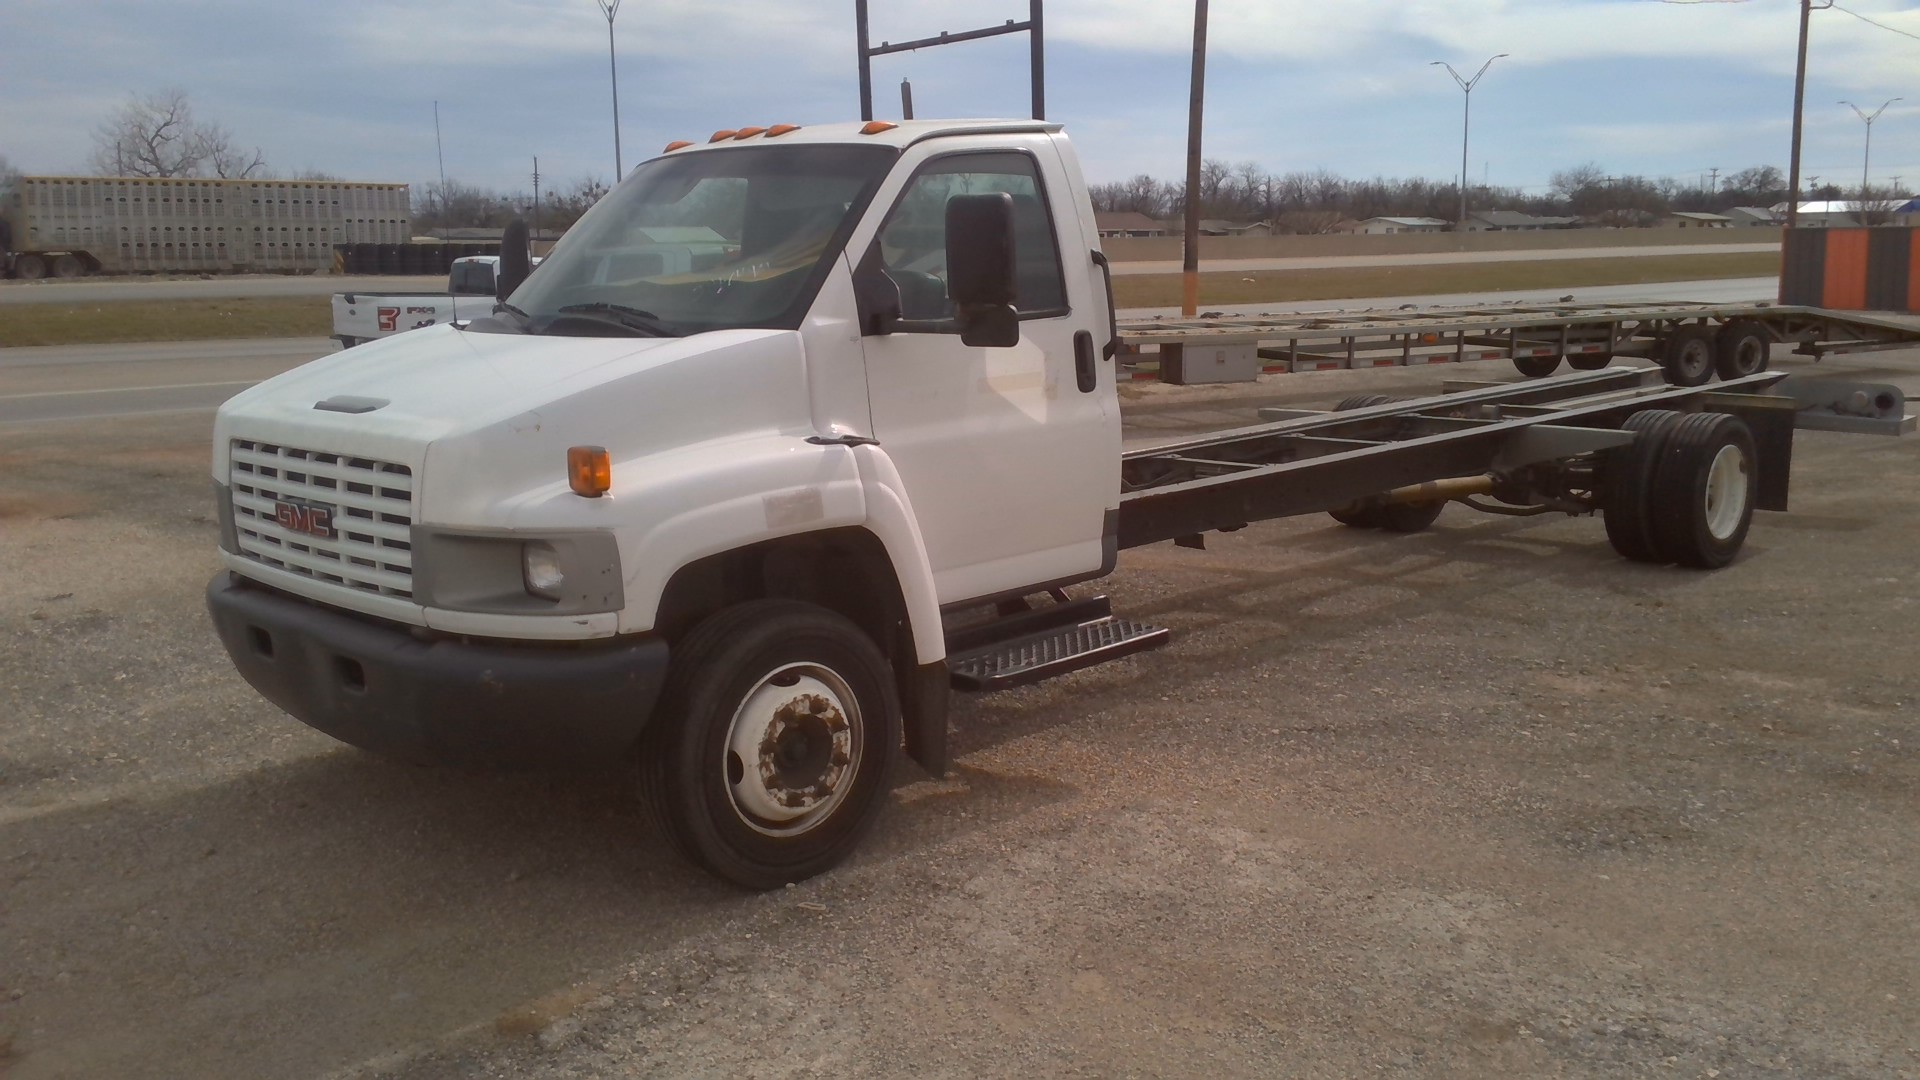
<point>41,507</point>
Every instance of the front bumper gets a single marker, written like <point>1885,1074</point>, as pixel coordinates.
<point>377,686</point>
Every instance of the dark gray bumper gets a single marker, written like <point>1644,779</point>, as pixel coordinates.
<point>378,687</point>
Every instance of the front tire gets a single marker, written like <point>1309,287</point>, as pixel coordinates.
<point>768,758</point>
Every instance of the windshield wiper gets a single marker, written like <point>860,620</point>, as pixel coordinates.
<point>633,318</point>
<point>511,310</point>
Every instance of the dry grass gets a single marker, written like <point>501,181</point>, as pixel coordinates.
<point>109,321</point>
<point>1163,290</point>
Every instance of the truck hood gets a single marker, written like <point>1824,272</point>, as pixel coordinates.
<point>489,417</point>
<point>439,379</point>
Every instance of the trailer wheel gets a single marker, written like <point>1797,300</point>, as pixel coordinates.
<point>1366,401</point>
<point>30,267</point>
<point>1689,355</point>
<point>1409,517</point>
<point>68,266</point>
<point>769,757</point>
<point>1589,361</point>
<point>1626,484</point>
<point>1703,491</point>
<point>1742,348</point>
<point>1537,367</point>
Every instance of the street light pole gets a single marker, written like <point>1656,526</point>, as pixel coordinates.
<point>1466,120</point>
<point>1866,157</point>
<point>610,8</point>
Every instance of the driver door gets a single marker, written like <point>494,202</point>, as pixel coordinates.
<point>1010,456</point>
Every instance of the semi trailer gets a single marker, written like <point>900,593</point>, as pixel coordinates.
<point>744,529</point>
<point>70,226</point>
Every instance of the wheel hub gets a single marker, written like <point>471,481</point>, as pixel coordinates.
<point>1726,492</point>
<point>793,749</point>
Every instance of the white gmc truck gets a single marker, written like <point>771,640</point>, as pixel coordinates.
<point>798,431</point>
<point>360,317</point>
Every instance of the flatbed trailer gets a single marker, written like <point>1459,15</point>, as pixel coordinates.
<point>1691,341</point>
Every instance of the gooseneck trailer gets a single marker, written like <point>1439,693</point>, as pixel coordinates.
<point>741,516</point>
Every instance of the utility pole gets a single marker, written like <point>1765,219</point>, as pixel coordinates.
<point>1466,119</point>
<point>610,8</point>
<point>1799,109</point>
<point>1713,175</point>
<point>441,153</point>
<point>1190,257</point>
<point>536,196</point>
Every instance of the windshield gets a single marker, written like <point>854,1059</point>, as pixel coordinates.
<point>706,241</point>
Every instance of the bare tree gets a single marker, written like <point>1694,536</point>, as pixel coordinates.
<point>9,176</point>
<point>157,135</point>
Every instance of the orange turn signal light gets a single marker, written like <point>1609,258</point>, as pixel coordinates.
<point>722,136</point>
<point>875,127</point>
<point>748,132</point>
<point>676,144</point>
<point>778,130</point>
<point>589,471</point>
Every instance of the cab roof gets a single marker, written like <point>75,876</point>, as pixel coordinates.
<point>898,133</point>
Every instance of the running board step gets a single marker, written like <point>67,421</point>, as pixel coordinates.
<point>1027,660</point>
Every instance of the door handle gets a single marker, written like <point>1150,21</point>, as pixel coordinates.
<point>1084,373</point>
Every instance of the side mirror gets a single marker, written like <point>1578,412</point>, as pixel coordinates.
<point>980,269</point>
<point>516,262</point>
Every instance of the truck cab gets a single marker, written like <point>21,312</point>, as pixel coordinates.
<point>705,494</point>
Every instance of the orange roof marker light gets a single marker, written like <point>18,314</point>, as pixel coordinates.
<point>781,129</point>
<point>748,132</point>
<point>677,144</point>
<point>875,127</point>
<point>722,136</point>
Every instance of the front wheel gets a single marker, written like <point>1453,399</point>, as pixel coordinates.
<point>768,758</point>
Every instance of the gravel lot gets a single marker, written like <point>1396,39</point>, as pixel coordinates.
<point>1485,801</point>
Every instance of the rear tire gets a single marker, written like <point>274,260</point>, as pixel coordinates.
<point>1688,357</point>
<point>1362,515</point>
<point>1703,491</point>
<point>1537,367</point>
<point>68,266</point>
<point>1409,517</point>
<point>768,757</point>
<point>1742,348</point>
<point>1589,361</point>
<point>30,267</point>
<point>1626,485</point>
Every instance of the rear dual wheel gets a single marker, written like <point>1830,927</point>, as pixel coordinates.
<point>1682,491</point>
<point>767,759</point>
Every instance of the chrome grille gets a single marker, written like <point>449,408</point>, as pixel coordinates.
<point>373,513</point>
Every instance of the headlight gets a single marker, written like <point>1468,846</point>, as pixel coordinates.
<point>540,569</point>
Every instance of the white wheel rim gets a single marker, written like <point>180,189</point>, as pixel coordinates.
<point>1726,492</point>
<point>792,750</point>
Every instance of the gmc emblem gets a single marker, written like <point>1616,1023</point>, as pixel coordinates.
<point>313,519</point>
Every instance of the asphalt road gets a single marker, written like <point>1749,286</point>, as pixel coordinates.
<point>73,382</point>
<point>1483,802</point>
<point>19,292</point>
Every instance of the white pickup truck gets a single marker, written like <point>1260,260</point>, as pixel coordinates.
<point>797,432</point>
<point>368,316</point>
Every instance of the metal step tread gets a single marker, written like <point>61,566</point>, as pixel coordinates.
<point>1030,659</point>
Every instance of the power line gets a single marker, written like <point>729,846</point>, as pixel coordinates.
<point>1870,22</point>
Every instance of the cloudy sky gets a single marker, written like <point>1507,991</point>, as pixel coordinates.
<point>347,86</point>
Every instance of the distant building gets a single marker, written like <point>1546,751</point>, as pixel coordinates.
<point>1390,226</point>
<point>1752,217</point>
<point>1222,227</point>
<point>1515,221</point>
<point>1695,219</point>
<point>1126,223</point>
<point>1830,214</point>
